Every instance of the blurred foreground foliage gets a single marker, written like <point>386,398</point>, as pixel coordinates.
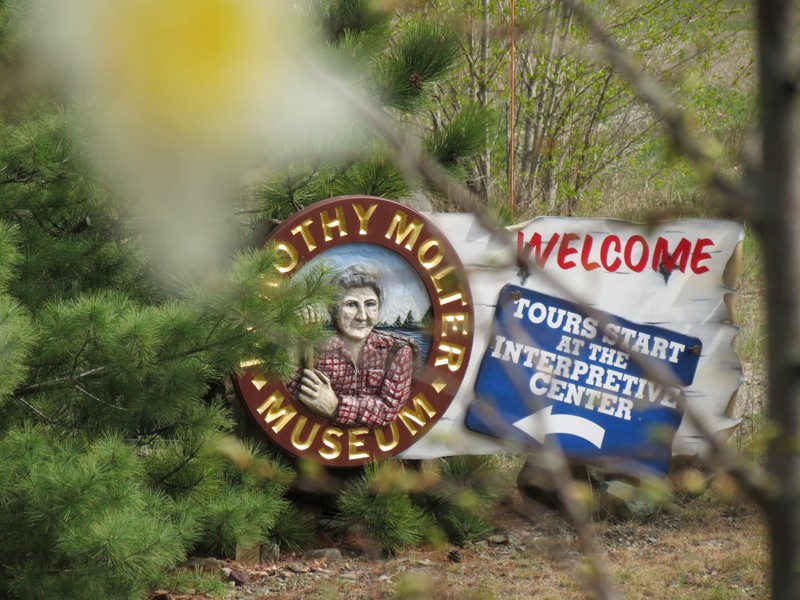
<point>119,459</point>
<point>117,437</point>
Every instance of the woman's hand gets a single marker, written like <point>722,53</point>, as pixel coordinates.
<point>314,314</point>
<point>317,394</point>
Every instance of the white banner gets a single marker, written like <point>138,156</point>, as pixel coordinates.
<point>670,274</point>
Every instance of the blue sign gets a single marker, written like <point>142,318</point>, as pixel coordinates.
<point>604,389</point>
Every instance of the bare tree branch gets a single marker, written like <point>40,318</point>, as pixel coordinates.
<point>38,387</point>
<point>702,152</point>
<point>753,480</point>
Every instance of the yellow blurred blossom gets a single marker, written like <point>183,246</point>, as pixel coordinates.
<point>190,67</point>
<point>178,93</point>
<point>188,71</point>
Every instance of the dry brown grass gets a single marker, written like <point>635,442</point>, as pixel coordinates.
<point>704,548</point>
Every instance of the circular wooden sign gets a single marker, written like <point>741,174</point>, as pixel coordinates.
<point>416,357</point>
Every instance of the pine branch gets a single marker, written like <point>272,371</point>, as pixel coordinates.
<point>79,352</point>
<point>38,387</point>
<point>152,435</point>
<point>43,416</point>
<point>86,392</point>
<point>187,458</point>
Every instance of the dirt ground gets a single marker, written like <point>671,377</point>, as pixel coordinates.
<point>698,548</point>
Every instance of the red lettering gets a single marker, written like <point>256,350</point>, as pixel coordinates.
<point>536,244</point>
<point>698,255</point>
<point>629,247</point>
<point>680,256</point>
<point>635,252</point>
<point>564,251</point>
<point>585,252</point>
<point>610,240</point>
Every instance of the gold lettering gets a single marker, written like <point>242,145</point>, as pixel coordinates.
<point>298,429</point>
<point>328,440</point>
<point>403,230</point>
<point>303,230</point>
<point>455,323</point>
<point>438,276</point>
<point>382,443</point>
<point>354,443</point>
<point>423,249</point>
<point>275,410</point>
<point>410,419</point>
<point>363,216</point>
<point>328,224</point>
<point>452,298</point>
<point>290,252</point>
<point>453,357</point>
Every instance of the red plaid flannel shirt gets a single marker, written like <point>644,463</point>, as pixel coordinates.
<point>369,393</point>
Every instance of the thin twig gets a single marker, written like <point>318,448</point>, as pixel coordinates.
<point>740,197</point>
<point>86,392</point>
<point>38,387</point>
<point>43,416</point>
<point>411,158</point>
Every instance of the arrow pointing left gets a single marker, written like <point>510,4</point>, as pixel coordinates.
<point>543,423</point>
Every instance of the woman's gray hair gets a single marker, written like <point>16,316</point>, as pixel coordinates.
<point>360,275</point>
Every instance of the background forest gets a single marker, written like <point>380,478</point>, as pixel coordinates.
<point>135,193</point>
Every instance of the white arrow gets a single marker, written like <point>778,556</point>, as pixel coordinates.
<point>543,423</point>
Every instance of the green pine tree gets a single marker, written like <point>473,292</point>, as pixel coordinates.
<point>376,510</point>
<point>399,62</point>
<point>119,459</point>
<point>118,454</point>
<point>461,501</point>
<point>113,440</point>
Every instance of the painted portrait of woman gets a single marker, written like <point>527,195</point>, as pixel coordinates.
<point>364,374</point>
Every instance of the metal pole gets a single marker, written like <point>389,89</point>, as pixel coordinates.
<point>511,115</point>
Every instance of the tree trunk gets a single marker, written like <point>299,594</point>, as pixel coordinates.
<point>780,234</point>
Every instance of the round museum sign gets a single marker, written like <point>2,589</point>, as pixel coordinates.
<point>401,336</point>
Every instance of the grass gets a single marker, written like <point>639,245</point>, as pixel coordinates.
<point>705,547</point>
<point>708,547</point>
